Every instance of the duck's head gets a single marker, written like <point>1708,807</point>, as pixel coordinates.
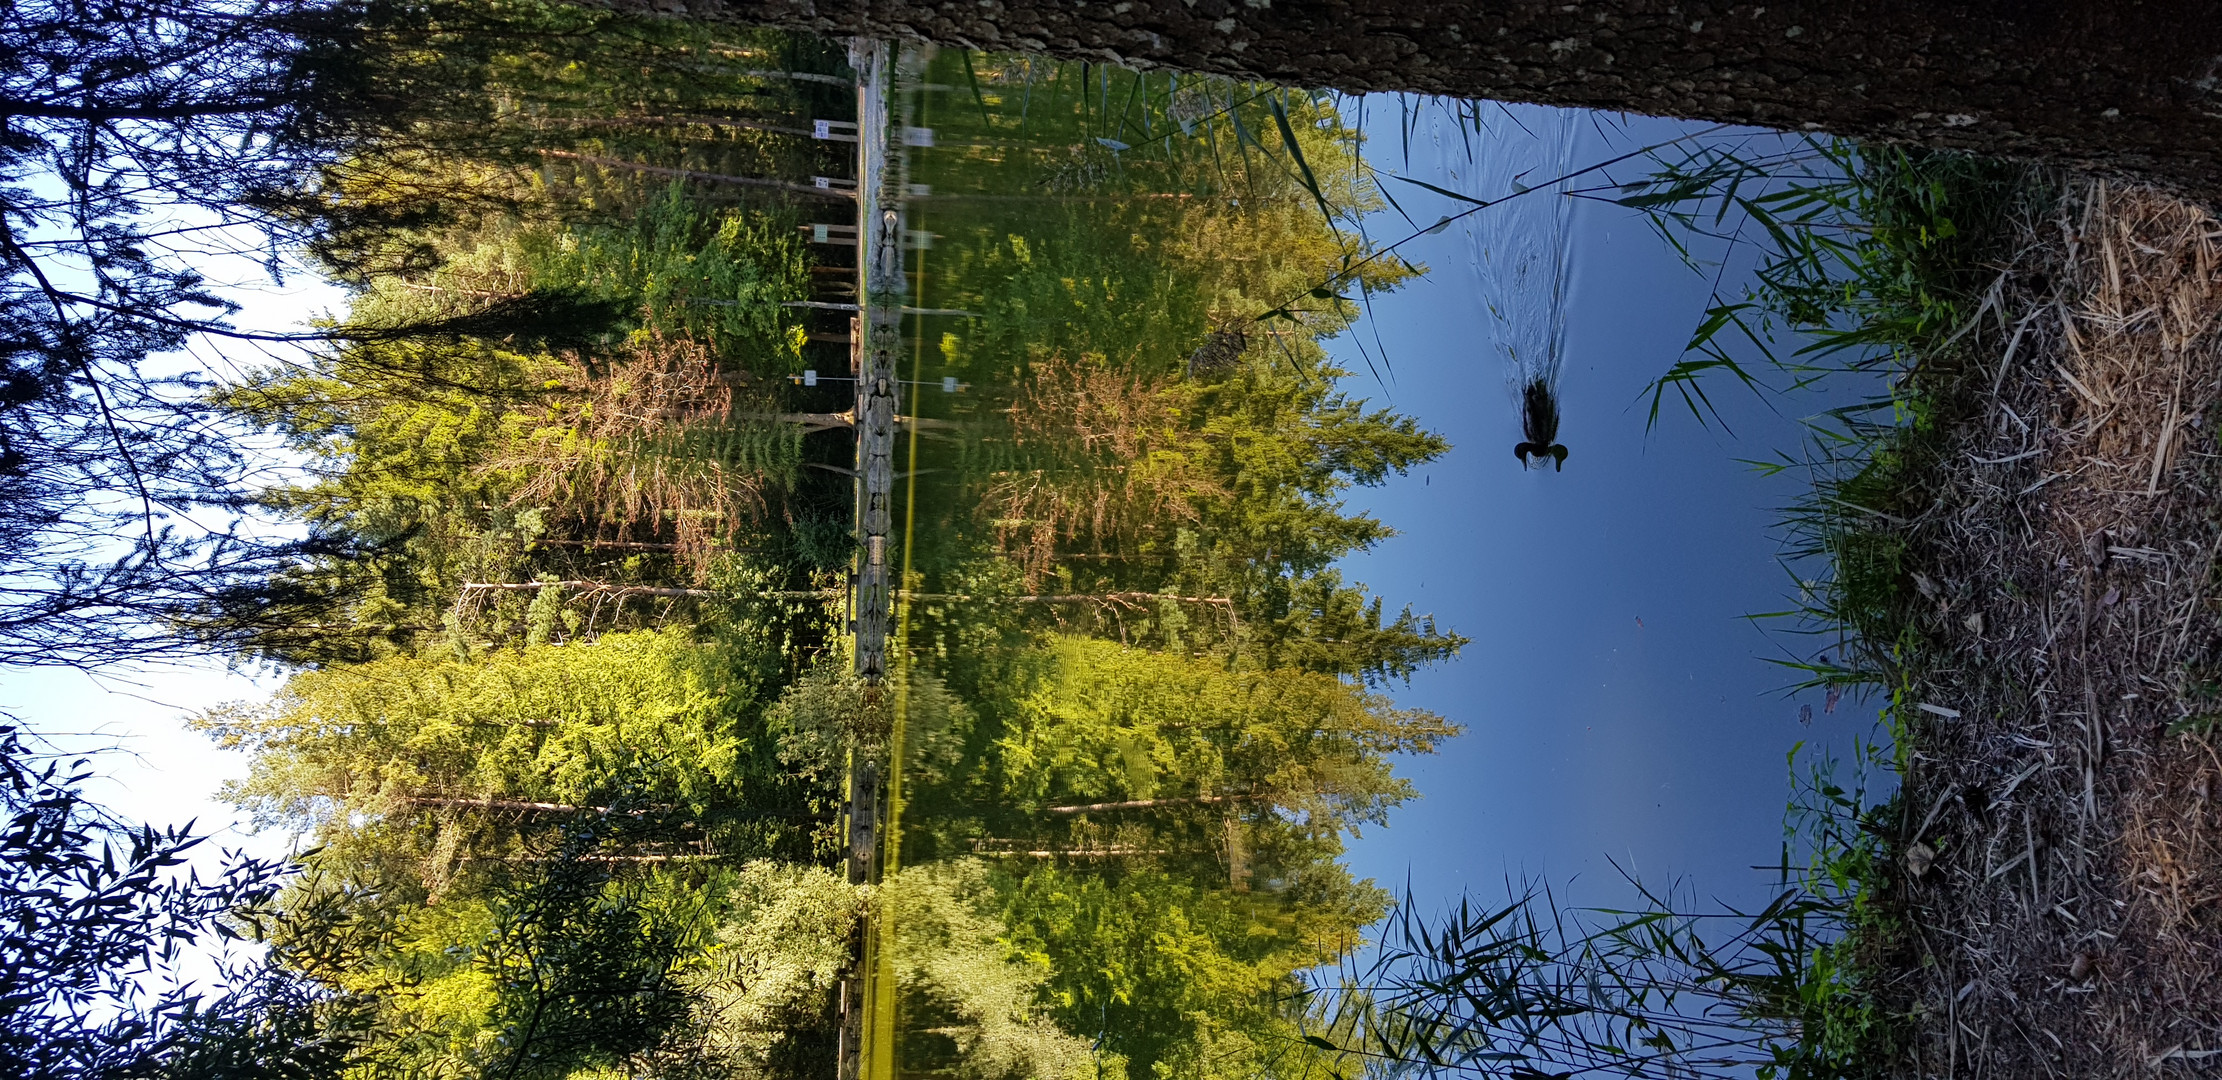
<point>1554,451</point>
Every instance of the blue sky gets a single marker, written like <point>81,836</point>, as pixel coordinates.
<point>149,766</point>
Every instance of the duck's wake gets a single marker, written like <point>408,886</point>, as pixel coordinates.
<point>1523,260</point>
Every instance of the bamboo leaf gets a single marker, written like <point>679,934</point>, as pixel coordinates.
<point>1296,153</point>
<point>1460,196</point>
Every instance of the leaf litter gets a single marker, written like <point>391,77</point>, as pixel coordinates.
<point>2069,922</point>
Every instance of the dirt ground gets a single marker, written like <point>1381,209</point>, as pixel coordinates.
<point>2063,851</point>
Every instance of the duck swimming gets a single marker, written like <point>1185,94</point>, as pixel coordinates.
<point>1523,261</point>
<point>1539,423</point>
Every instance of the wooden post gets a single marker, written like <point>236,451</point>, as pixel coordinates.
<point>881,290</point>
<point>875,337</point>
<point>867,999</point>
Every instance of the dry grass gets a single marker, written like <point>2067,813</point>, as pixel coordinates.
<point>2071,923</point>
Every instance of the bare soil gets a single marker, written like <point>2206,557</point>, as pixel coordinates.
<point>2069,923</point>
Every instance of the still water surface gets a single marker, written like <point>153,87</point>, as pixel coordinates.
<point>1619,702</point>
<point>1150,705</point>
<point>1223,609</point>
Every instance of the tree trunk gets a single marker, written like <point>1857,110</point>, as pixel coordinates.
<point>1128,599</point>
<point>1153,804</point>
<point>2129,87</point>
<point>608,588</point>
<point>788,186</point>
<point>465,802</point>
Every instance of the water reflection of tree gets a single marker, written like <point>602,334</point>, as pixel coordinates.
<point>1122,568</point>
<point>1127,800</point>
<point>1094,464</point>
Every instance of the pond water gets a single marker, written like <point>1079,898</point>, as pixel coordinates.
<point>1142,543</point>
<point>1035,564</point>
<point>1618,696</point>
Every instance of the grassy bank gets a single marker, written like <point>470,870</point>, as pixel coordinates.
<point>1890,270</point>
<point>2016,549</point>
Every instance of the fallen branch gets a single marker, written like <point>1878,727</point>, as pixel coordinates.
<point>991,846</point>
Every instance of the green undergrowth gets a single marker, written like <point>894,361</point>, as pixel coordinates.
<point>1880,268</point>
<point>2204,693</point>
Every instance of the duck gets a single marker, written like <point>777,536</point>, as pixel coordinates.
<point>1539,423</point>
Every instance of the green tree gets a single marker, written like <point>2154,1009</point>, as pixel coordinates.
<point>1197,453</point>
<point>782,945</point>
<point>970,1003</point>
<point>1102,723</point>
<point>1165,835</point>
<point>1106,483</point>
<point>94,916</point>
<point>437,769</point>
<point>571,958</point>
<point>1180,979</point>
<point>442,463</point>
<point>525,856</point>
<point>140,138</point>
